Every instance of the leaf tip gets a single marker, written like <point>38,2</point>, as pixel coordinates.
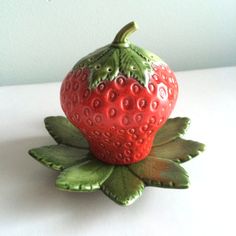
<point>48,119</point>
<point>202,147</point>
<point>186,124</point>
<point>61,185</point>
<point>30,152</point>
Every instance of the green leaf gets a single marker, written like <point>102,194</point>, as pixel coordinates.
<point>172,129</point>
<point>161,173</point>
<point>58,157</point>
<point>122,186</point>
<point>84,177</point>
<point>131,64</point>
<point>179,150</point>
<point>64,132</point>
<point>92,57</point>
<point>147,55</point>
<point>105,68</point>
<point>107,62</point>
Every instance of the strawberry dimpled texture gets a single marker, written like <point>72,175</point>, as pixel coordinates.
<point>119,118</point>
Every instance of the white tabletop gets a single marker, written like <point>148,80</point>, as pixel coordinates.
<point>31,205</point>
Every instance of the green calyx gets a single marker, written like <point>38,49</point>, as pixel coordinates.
<point>119,57</point>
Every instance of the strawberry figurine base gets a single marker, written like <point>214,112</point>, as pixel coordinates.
<point>82,172</point>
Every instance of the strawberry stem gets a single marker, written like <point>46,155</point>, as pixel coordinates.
<point>121,38</point>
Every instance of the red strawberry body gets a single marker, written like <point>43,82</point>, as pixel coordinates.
<point>119,116</point>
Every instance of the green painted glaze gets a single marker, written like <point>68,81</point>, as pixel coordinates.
<point>64,132</point>
<point>119,57</point>
<point>178,150</point>
<point>161,173</point>
<point>58,157</point>
<point>122,36</point>
<point>172,129</point>
<point>84,177</point>
<point>123,186</point>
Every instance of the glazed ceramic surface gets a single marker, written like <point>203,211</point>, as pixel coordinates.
<point>119,96</point>
<point>82,172</point>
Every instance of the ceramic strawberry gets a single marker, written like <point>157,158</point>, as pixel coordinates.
<point>116,136</point>
<point>119,96</point>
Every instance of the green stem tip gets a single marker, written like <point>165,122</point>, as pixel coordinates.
<point>122,36</point>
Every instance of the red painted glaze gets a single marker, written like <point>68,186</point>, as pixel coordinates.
<point>121,117</point>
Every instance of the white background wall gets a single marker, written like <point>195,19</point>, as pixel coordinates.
<point>41,40</point>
